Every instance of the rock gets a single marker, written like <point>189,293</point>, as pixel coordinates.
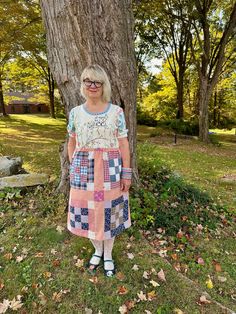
<point>10,166</point>
<point>23,180</point>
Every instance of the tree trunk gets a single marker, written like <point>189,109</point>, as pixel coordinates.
<point>51,89</point>
<point>215,109</point>
<point>92,31</point>
<point>180,96</point>
<point>204,96</point>
<point>2,104</point>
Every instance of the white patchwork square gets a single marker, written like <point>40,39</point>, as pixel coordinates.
<point>84,218</point>
<point>113,218</point>
<point>91,234</point>
<point>91,155</point>
<point>77,224</point>
<point>91,204</point>
<point>90,186</point>
<point>72,216</point>
<point>107,185</point>
<point>112,170</point>
<point>116,162</point>
<point>77,211</point>
<point>105,156</point>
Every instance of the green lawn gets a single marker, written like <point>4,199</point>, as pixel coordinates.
<point>47,276</point>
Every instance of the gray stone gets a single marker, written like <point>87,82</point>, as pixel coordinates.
<point>23,180</point>
<point>10,166</point>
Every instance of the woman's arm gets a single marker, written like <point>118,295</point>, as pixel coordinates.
<point>71,147</point>
<point>125,156</point>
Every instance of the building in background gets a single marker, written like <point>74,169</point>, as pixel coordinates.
<point>22,103</point>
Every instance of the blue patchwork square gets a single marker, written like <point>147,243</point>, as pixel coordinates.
<point>72,223</point>
<point>85,226</point>
<point>84,211</point>
<point>78,218</point>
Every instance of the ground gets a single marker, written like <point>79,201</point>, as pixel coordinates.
<point>42,262</point>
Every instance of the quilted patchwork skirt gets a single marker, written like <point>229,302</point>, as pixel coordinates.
<point>98,209</point>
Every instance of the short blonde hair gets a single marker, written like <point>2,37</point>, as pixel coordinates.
<point>95,72</point>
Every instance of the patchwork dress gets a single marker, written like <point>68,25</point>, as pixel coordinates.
<point>98,209</point>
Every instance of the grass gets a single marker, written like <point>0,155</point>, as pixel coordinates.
<point>47,276</point>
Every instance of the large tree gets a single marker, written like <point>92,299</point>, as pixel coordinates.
<point>92,31</point>
<point>213,39</point>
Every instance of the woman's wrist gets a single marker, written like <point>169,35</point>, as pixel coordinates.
<point>126,173</point>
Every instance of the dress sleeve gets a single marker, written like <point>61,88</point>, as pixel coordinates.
<point>122,131</point>
<point>71,124</point>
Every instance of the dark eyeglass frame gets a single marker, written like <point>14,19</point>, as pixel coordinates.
<point>89,83</point>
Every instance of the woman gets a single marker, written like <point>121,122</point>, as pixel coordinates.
<point>100,173</point>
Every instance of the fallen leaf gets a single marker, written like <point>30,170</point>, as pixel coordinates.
<point>57,296</point>
<point>145,275</point>
<point>161,275</point>
<point>174,256</point>
<point>178,311</point>
<point>222,279</point>
<point>128,246</point>
<point>209,283</point>
<point>39,254</point>
<point>151,295</point>
<point>204,300</point>
<point>53,251</point>
<point>16,303</point>
<point>142,296</point>
<point>4,306</point>
<point>135,267</point>
<point>60,229</point>
<point>47,274</point>
<point>8,256</point>
<point>43,298</point>
<point>129,304</point>
<point>122,290</point>
<point>94,279</point>
<point>148,312</point>
<point>200,261</point>
<point>120,276</point>
<point>88,311</point>
<point>123,309</point>
<point>154,283</point>
<point>79,263</point>
<point>130,255</point>
<point>1,284</point>
<point>217,266</point>
<point>56,263</point>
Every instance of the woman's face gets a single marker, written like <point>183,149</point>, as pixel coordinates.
<point>93,88</point>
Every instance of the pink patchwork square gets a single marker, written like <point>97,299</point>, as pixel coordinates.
<point>77,169</point>
<point>106,171</point>
<point>99,196</point>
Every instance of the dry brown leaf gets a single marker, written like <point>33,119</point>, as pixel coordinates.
<point>120,276</point>
<point>43,298</point>
<point>130,304</point>
<point>94,279</point>
<point>122,290</point>
<point>174,256</point>
<point>57,296</point>
<point>47,274</point>
<point>8,256</point>
<point>39,254</point>
<point>217,266</point>
<point>56,263</point>
<point>1,284</point>
<point>151,295</point>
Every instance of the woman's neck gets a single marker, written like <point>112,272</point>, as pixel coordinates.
<point>95,105</point>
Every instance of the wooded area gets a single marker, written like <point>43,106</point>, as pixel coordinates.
<point>195,40</point>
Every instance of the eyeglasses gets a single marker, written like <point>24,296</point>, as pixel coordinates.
<point>89,83</point>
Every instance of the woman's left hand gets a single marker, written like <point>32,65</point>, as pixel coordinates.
<point>125,185</point>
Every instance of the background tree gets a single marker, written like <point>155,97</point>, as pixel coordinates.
<point>15,17</point>
<point>84,32</point>
<point>212,43</point>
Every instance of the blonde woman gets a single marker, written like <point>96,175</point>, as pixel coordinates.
<point>100,173</point>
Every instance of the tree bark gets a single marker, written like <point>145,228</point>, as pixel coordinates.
<point>81,32</point>
<point>51,89</point>
<point>2,104</point>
